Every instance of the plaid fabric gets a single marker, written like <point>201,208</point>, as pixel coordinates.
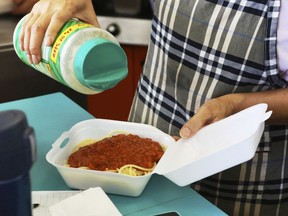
<point>201,49</point>
<point>270,43</point>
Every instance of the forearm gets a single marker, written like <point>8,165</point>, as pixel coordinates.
<point>277,101</point>
<point>221,107</point>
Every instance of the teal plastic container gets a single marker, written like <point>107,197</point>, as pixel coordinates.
<point>83,57</point>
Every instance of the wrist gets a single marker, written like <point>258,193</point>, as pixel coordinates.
<point>235,102</point>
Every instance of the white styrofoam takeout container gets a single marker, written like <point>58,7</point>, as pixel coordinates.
<point>214,148</point>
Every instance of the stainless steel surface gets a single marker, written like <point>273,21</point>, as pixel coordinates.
<point>6,6</point>
<point>127,30</point>
<point>127,7</point>
<point>140,9</point>
<point>129,21</point>
<point>7,26</point>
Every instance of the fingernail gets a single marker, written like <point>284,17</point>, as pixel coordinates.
<point>185,132</point>
<point>35,59</point>
<point>29,58</point>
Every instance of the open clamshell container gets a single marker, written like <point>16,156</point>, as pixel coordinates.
<point>214,148</point>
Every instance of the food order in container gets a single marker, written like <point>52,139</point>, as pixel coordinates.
<point>216,147</point>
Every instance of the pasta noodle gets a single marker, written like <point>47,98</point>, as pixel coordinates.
<point>134,170</point>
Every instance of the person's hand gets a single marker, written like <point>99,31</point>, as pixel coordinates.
<point>218,108</point>
<point>211,111</point>
<point>46,19</point>
<point>22,6</point>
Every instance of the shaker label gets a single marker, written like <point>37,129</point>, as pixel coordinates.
<point>63,36</point>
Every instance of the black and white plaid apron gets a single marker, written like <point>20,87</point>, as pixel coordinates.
<point>202,49</point>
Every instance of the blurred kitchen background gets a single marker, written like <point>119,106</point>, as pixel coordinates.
<point>129,21</point>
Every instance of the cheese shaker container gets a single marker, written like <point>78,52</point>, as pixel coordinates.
<point>83,57</point>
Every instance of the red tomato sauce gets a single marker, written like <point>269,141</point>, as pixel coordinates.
<point>116,151</point>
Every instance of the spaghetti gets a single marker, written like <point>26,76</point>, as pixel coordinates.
<point>122,153</point>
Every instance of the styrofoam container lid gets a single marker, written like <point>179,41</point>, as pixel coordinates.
<point>216,147</point>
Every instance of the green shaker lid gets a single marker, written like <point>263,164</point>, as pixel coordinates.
<point>100,64</point>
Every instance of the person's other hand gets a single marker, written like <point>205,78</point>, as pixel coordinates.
<point>46,19</point>
<point>211,111</point>
<point>23,6</point>
<point>218,108</point>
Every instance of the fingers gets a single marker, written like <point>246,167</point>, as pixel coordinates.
<point>35,38</point>
<point>31,37</point>
<point>53,28</point>
<point>89,16</point>
<point>27,42</point>
<point>22,32</point>
<point>176,138</point>
<point>31,26</point>
<point>211,111</point>
<point>195,124</point>
<point>34,28</point>
<point>45,20</point>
